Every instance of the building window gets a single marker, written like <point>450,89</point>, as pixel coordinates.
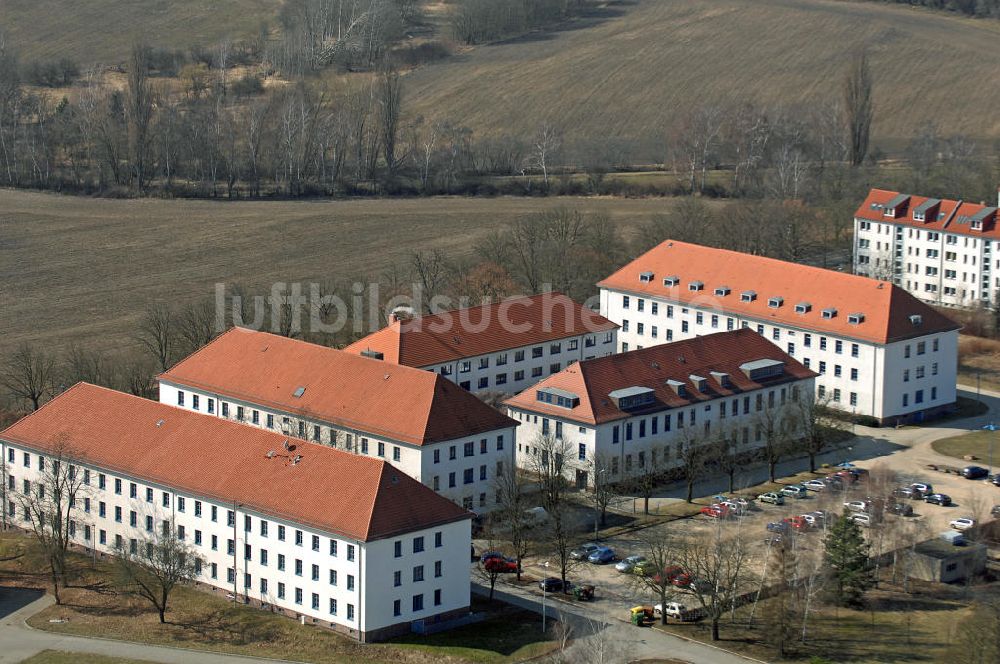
<point>418,603</point>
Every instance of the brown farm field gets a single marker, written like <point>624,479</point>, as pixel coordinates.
<point>102,31</point>
<point>628,70</point>
<point>83,270</point>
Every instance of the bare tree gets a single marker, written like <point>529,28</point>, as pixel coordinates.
<point>196,325</point>
<point>776,426</point>
<point>433,271</point>
<point>390,101</point>
<point>510,516</point>
<point>694,455</point>
<point>816,423</point>
<point>157,335</point>
<point>139,112</point>
<point>658,548</point>
<point>49,504</point>
<point>152,567</point>
<point>647,478</point>
<point>29,375</point>
<point>859,106</point>
<point>604,491</point>
<point>548,466</point>
<point>719,565</point>
<point>546,145</point>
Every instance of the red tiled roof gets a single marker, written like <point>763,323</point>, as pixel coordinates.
<point>512,323</point>
<point>887,308</point>
<point>944,216</point>
<point>355,496</point>
<point>593,380</point>
<point>344,389</point>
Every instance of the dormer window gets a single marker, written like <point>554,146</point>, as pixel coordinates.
<point>856,319</point>
<point>722,291</point>
<point>671,282</point>
<point>889,212</point>
<point>678,386</point>
<point>977,225</point>
<point>557,397</point>
<point>700,382</point>
<point>918,216</point>
<point>916,320</point>
<point>748,296</point>
<point>646,277</point>
<point>775,302</point>
<point>803,308</point>
<point>830,313</point>
<point>722,378</point>
<point>696,285</point>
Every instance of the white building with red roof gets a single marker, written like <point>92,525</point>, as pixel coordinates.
<point>944,252</point>
<point>636,412</point>
<point>501,347</point>
<point>878,350</point>
<point>425,425</point>
<point>344,541</point>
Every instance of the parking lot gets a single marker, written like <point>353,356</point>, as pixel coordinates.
<point>972,498</point>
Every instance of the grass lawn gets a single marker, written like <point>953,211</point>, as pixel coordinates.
<point>62,657</point>
<point>979,359</point>
<point>976,443</point>
<point>896,628</point>
<point>207,621</point>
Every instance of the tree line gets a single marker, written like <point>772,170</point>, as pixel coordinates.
<point>977,8</point>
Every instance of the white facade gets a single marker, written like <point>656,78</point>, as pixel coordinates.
<point>462,470</point>
<point>884,381</point>
<point>515,370</point>
<point>360,588</point>
<point>938,267</point>
<point>631,446</point>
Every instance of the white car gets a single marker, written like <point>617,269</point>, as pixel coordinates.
<point>673,610</point>
<point>963,523</point>
<point>861,519</point>
<point>735,507</point>
<point>812,520</point>
<point>856,506</point>
<point>815,485</point>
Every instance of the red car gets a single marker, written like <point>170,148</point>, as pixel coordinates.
<point>716,511</point>
<point>682,580</point>
<point>669,573</point>
<point>500,565</point>
<point>797,522</point>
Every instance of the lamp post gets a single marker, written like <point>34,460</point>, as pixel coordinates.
<point>990,427</point>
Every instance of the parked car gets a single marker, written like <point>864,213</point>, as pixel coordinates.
<point>834,482</point>
<point>672,610</point>
<point>820,515</point>
<point>778,527</point>
<point>857,505</point>
<point>995,480</point>
<point>682,580</point>
<point>487,555</point>
<point>962,523</point>
<point>774,539</point>
<point>717,511</point>
<point>813,520</point>
<point>628,564</point>
<point>902,492</point>
<point>902,509</point>
<point>644,568</point>
<point>939,499</point>
<point>975,472</point>
<point>602,556</point>
<point>815,485</point>
<point>583,551</point>
<point>995,511</point>
<point>735,508</point>
<point>668,574</point>
<point>795,491</point>
<point>864,520</point>
<point>922,487</point>
<point>844,476</point>
<point>796,522</point>
<point>771,497</point>
<point>552,584</point>
<point>500,565</point>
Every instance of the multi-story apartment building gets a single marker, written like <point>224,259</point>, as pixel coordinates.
<point>635,412</point>
<point>878,350</point>
<point>345,541</point>
<point>503,347</point>
<point>421,423</point>
<point>942,251</point>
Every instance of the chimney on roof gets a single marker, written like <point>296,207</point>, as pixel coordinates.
<point>401,314</point>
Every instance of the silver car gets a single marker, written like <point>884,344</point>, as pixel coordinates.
<point>628,564</point>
